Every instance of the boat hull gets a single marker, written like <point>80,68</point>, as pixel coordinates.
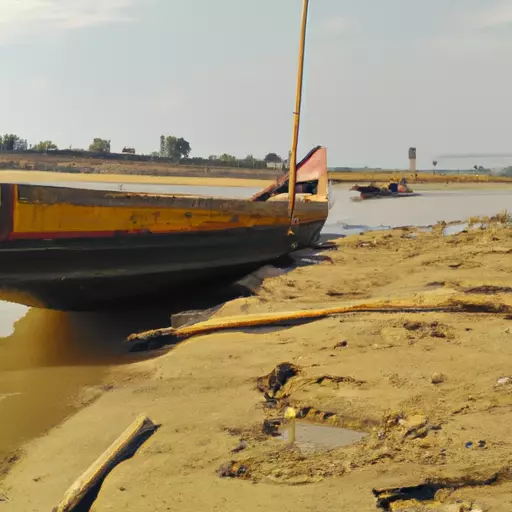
<point>388,196</point>
<point>96,273</point>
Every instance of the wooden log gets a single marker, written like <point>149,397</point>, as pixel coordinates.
<point>123,447</point>
<point>427,303</point>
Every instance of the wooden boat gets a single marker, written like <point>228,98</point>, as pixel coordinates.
<point>77,249</point>
<point>374,192</point>
<point>72,249</point>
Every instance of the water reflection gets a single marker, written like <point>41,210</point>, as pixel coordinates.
<point>50,356</point>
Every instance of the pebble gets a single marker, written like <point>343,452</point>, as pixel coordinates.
<point>437,378</point>
<point>242,446</point>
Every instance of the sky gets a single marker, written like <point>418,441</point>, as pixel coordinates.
<point>381,76</point>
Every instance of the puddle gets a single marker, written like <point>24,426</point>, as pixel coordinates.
<point>344,229</point>
<point>312,437</point>
<point>456,229</point>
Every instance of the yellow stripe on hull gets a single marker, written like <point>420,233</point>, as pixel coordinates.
<point>68,218</point>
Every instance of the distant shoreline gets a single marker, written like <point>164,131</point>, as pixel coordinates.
<point>90,168</point>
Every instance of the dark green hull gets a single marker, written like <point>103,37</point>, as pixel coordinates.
<point>92,274</point>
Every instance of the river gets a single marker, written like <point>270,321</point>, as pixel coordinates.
<point>47,357</point>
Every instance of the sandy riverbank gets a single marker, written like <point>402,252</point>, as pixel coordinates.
<point>204,394</point>
<point>15,176</point>
<point>42,177</point>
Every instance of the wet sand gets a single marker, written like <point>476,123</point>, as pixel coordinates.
<point>424,387</point>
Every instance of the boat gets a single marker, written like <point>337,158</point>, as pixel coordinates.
<point>373,192</point>
<point>77,249</point>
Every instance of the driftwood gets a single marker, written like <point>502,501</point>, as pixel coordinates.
<point>123,447</point>
<point>418,304</point>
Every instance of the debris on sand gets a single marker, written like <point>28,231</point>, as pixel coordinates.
<point>275,381</point>
<point>431,496</point>
<point>233,470</point>
<point>432,329</point>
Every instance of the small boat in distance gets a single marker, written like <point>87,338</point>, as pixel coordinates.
<point>77,249</point>
<point>393,190</point>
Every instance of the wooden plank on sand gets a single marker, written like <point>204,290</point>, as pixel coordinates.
<point>123,447</point>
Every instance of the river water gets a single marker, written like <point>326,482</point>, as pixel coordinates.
<point>47,357</point>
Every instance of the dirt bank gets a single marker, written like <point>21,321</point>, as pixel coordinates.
<point>125,166</point>
<point>430,390</point>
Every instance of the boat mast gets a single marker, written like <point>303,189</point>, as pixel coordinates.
<point>296,114</point>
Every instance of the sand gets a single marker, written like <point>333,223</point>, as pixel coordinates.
<point>16,176</point>
<point>204,394</point>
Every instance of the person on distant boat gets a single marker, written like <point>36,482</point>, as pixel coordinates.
<point>402,188</point>
<point>393,187</point>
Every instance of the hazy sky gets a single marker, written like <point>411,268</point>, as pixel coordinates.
<point>382,75</point>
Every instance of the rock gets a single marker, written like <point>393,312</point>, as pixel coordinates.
<point>504,381</point>
<point>341,344</point>
<point>413,422</point>
<point>437,378</point>
<point>415,426</point>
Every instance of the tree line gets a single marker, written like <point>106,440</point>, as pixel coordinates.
<point>172,148</point>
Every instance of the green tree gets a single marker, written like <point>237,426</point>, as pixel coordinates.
<point>100,146</point>
<point>45,146</point>
<point>182,148</point>
<point>229,159</point>
<point>162,145</point>
<point>176,148</point>
<point>9,141</point>
<point>170,146</point>
<point>273,158</point>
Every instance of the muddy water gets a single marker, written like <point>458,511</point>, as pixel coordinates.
<point>348,217</point>
<point>311,437</point>
<point>47,357</point>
